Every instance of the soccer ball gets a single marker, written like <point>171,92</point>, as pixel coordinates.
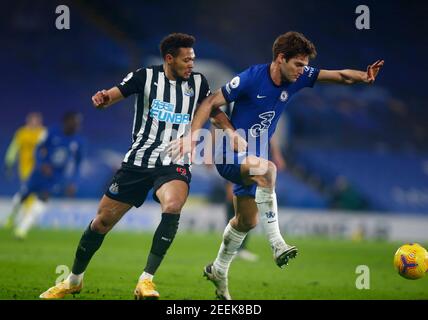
<point>411,261</point>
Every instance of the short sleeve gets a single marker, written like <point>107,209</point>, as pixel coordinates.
<point>308,78</point>
<point>237,87</point>
<point>133,83</point>
<point>205,89</point>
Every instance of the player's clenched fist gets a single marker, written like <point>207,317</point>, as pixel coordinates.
<point>101,99</point>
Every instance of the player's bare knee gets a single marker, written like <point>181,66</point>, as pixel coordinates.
<point>266,178</point>
<point>269,177</point>
<point>101,224</point>
<point>172,206</point>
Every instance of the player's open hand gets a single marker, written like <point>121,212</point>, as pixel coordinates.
<point>373,70</point>
<point>178,148</point>
<point>100,99</point>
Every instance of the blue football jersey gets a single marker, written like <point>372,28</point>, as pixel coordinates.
<point>259,102</point>
<point>62,152</point>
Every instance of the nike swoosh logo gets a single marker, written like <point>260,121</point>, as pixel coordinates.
<point>155,83</point>
<point>272,221</point>
<point>260,97</point>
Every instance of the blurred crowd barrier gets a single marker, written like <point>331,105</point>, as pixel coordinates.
<point>198,216</point>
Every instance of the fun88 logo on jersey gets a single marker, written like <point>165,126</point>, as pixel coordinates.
<point>164,111</point>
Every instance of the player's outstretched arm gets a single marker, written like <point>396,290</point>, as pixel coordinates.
<point>105,98</point>
<point>348,76</point>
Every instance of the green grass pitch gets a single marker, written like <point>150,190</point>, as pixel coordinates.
<point>324,269</point>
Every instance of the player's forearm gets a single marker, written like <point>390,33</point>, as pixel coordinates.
<point>105,98</point>
<point>202,115</point>
<point>220,120</point>
<point>115,96</point>
<point>207,106</point>
<point>349,76</point>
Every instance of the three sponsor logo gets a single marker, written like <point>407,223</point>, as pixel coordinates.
<point>257,129</point>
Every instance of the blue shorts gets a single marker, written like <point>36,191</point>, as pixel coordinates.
<point>232,173</point>
<point>40,184</point>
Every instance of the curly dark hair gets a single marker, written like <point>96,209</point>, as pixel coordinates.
<point>292,44</point>
<point>173,42</point>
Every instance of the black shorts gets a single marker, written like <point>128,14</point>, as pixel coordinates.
<point>131,185</point>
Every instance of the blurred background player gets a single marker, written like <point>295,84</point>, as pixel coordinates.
<point>21,150</point>
<point>59,152</point>
<point>23,145</point>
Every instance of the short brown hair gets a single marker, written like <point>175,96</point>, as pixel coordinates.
<point>292,44</point>
<point>174,41</point>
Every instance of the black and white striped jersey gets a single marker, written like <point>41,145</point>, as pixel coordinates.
<point>163,112</point>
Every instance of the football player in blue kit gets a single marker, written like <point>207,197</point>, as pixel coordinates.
<point>260,94</point>
<point>60,150</point>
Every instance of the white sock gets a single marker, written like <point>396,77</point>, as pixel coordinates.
<point>16,200</point>
<point>268,208</point>
<point>37,209</point>
<point>146,275</point>
<point>16,208</point>
<point>75,279</point>
<point>232,240</point>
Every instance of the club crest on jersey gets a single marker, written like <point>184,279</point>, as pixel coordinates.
<point>284,96</point>
<point>114,188</point>
<point>270,214</point>
<point>182,171</point>
<point>189,92</point>
<point>164,111</point>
